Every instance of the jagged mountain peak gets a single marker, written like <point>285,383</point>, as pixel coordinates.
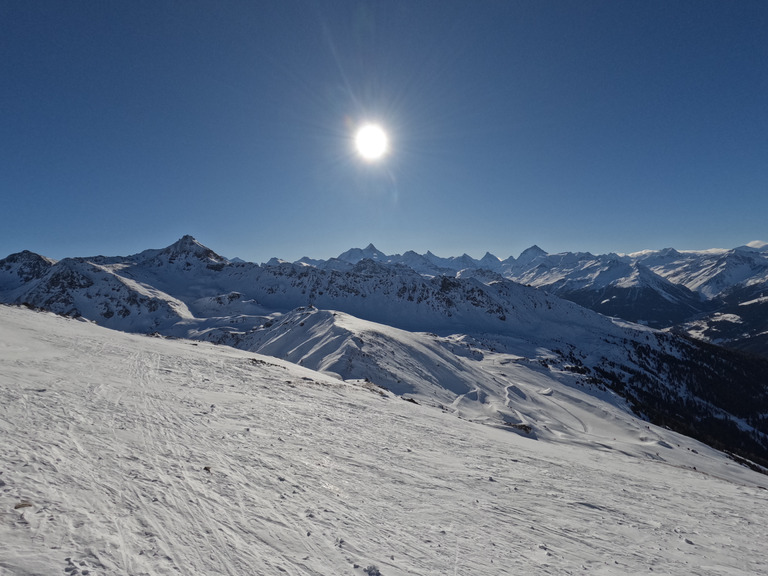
<point>187,244</point>
<point>22,267</point>
<point>27,256</point>
<point>25,259</point>
<point>464,261</point>
<point>530,254</point>
<point>188,247</point>
<point>354,255</point>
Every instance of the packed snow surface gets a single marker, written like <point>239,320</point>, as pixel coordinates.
<point>125,454</point>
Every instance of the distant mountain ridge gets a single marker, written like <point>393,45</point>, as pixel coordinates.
<point>662,288</point>
<point>298,310</point>
<point>713,295</point>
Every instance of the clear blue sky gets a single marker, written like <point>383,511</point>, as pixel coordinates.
<point>576,125</point>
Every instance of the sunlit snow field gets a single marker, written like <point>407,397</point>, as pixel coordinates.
<point>125,454</point>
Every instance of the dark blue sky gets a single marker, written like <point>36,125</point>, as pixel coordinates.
<point>577,125</point>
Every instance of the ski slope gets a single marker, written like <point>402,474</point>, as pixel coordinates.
<point>125,454</point>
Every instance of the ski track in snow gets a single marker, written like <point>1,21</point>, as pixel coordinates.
<point>124,454</point>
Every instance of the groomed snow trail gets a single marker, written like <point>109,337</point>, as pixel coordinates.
<point>123,454</point>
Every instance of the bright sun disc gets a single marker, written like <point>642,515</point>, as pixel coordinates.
<point>371,142</point>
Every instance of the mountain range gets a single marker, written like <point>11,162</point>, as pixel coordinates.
<point>642,331</point>
<point>719,296</point>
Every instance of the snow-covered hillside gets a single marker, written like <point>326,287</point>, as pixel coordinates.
<point>382,320</point>
<point>127,454</point>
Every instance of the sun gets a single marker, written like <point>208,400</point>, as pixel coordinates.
<point>371,142</point>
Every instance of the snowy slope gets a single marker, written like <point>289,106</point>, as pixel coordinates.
<point>124,454</point>
<point>708,393</point>
<point>741,321</point>
<point>713,273</point>
<point>638,295</point>
<point>318,316</point>
<point>455,373</point>
<point>78,287</point>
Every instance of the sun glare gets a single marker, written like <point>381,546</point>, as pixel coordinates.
<point>371,142</point>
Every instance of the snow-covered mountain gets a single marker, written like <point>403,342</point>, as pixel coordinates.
<point>17,271</point>
<point>354,255</point>
<point>126,454</point>
<point>689,290</point>
<point>714,272</point>
<point>741,321</point>
<point>351,319</point>
<point>664,288</point>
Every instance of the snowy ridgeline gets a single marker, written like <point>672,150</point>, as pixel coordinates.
<point>714,295</point>
<point>373,319</point>
<point>125,454</point>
